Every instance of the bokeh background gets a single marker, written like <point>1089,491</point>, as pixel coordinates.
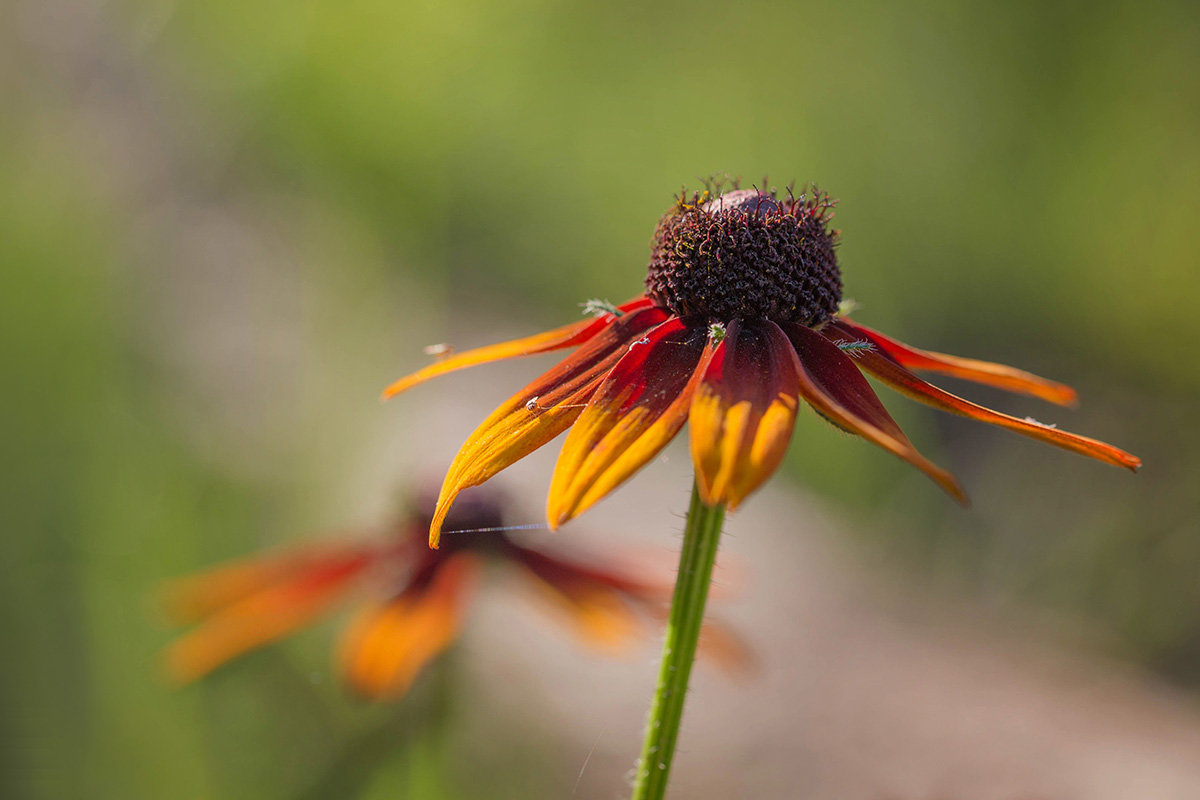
<point>225,225</point>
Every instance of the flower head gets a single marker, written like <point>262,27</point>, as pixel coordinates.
<point>739,322</point>
<point>416,599</point>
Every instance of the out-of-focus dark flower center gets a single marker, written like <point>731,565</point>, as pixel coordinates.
<point>747,254</point>
<point>475,522</point>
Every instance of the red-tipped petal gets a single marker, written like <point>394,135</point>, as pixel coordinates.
<point>557,339</point>
<point>638,408</point>
<point>593,610</point>
<point>743,413</point>
<point>1002,377</point>
<point>598,597</point>
<point>882,366</point>
<point>631,580</point>
<point>189,599</point>
<point>540,411</point>
<point>832,384</point>
<point>386,648</point>
<point>265,615</point>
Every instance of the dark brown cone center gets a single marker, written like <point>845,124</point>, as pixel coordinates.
<point>747,255</point>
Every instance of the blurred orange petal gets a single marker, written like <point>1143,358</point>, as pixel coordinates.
<point>557,339</point>
<point>258,617</point>
<point>186,600</point>
<point>1000,376</point>
<point>832,384</point>
<point>596,613</point>
<point>727,649</point>
<point>743,413</point>
<point>540,411</point>
<point>386,648</point>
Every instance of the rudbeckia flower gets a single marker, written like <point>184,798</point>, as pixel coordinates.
<point>740,321</point>
<point>415,602</point>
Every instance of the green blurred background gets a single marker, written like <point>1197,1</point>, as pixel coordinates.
<point>225,225</point>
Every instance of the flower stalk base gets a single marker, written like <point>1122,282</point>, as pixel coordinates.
<point>701,536</point>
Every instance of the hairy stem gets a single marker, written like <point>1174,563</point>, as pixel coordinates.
<point>701,536</point>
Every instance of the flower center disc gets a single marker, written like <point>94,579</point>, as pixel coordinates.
<point>747,255</point>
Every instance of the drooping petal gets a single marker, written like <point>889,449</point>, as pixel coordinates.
<point>743,412</point>
<point>727,649</point>
<point>985,372</point>
<point>637,409</point>
<point>557,339</point>
<point>883,366</point>
<point>598,597</point>
<point>628,579</point>
<point>189,599</point>
<point>596,612</point>
<point>385,648</point>
<point>540,411</point>
<point>832,384</point>
<point>269,613</point>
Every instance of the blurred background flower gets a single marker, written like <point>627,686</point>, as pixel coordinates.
<point>226,225</point>
<point>416,597</point>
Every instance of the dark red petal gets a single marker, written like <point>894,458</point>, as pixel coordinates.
<point>743,412</point>
<point>882,366</point>
<point>542,410</point>
<point>832,384</point>
<point>634,413</point>
<point>597,600</point>
<point>1002,377</point>
<point>560,338</point>
<point>561,571</point>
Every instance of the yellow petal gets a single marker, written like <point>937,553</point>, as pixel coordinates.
<point>540,411</point>
<point>633,414</point>
<point>743,413</point>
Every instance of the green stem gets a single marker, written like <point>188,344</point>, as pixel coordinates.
<point>701,536</point>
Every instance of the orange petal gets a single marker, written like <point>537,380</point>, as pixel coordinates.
<point>385,648</point>
<point>262,616</point>
<point>557,339</point>
<point>727,649</point>
<point>721,644</point>
<point>638,408</point>
<point>832,384</point>
<point>893,374</point>
<point>594,611</point>
<point>540,411</point>
<point>186,600</point>
<point>743,413</point>
<point>985,372</point>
